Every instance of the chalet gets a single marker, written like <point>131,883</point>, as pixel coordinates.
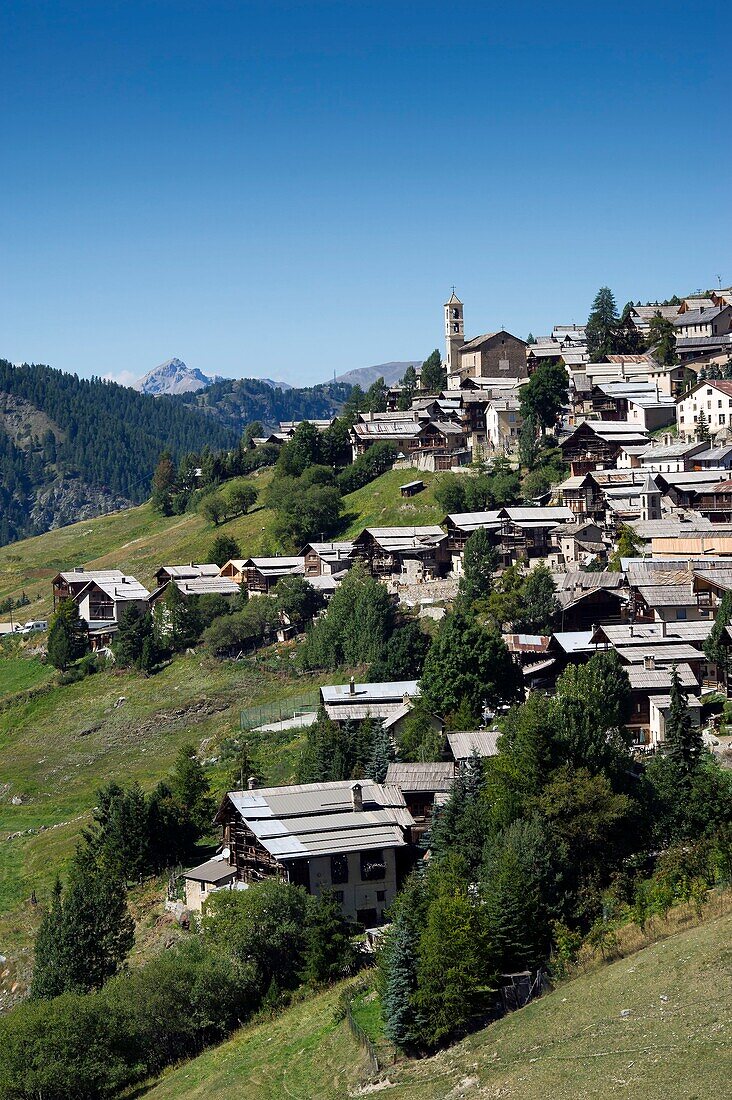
<point>641,316</point>
<point>388,703</point>
<point>587,598</point>
<point>463,744</point>
<point>671,457</point>
<point>582,495</point>
<point>650,687</point>
<point>198,586</point>
<point>705,321</point>
<point>411,436</point>
<point>579,542</point>
<point>528,532</point>
<point>102,601</point>
<point>596,443</point>
<point>461,525</point>
<point>405,554</point>
<point>322,559</point>
<point>185,572</point>
<point>66,586</point>
<point>289,427</point>
<point>419,783</point>
<point>352,839</point>
<point>260,575</point>
<point>686,488</point>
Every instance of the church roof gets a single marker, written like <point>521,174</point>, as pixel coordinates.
<point>453,300</point>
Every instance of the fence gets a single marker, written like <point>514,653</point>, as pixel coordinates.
<point>266,713</point>
<point>355,1028</point>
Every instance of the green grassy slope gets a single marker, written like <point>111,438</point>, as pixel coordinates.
<point>57,747</point>
<point>571,1044</point>
<point>138,540</point>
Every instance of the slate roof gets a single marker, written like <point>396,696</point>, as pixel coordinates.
<point>659,678</point>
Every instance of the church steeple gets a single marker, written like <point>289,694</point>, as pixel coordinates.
<point>454,332</point>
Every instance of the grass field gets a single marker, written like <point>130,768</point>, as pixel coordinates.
<point>20,673</point>
<point>139,540</point>
<point>655,1025</point>
<point>58,747</point>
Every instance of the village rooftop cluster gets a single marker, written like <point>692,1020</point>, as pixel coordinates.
<point>638,459</point>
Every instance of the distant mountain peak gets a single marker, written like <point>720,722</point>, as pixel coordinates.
<point>173,376</point>
<point>390,372</point>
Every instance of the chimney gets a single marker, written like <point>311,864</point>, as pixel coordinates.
<point>352,686</point>
<point>356,796</point>
<point>649,662</point>
<point>663,628</point>
<point>251,782</point>
<point>631,630</point>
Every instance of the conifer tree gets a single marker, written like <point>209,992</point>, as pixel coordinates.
<point>67,638</point>
<point>602,324</point>
<point>402,1023</point>
<point>191,788</point>
<point>382,755</point>
<point>516,875</point>
<point>163,483</point>
<point>716,646</point>
<point>480,560</point>
<point>135,626</point>
<point>702,428</point>
<point>683,739</point>
<point>88,932</point>
<point>329,950</point>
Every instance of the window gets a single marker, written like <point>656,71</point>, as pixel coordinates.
<point>339,868</point>
<point>719,404</point>
<point>722,418</point>
<point>680,612</point>
<point>373,867</point>
<point>381,895</point>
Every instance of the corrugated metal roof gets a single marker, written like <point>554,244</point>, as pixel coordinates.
<point>189,572</point>
<point>378,692</point>
<point>310,819</point>
<point>463,743</point>
<point>664,654</point>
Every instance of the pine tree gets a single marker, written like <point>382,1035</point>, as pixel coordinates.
<point>50,962</point>
<point>382,755</point>
<point>702,428</point>
<point>716,647</point>
<point>480,560</point>
<point>89,932</point>
<point>191,787</point>
<point>67,638</point>
<point>433,376</point>
<point>602,324</point>
<point>539,602</point>
<point>135,626</point>
<point>516,879</point>
<point>163,483</point>
<point>683,739</point>
<point>329,950</point>
<point>402,1023</point>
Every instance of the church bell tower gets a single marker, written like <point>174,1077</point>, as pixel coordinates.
<point>454,333</point>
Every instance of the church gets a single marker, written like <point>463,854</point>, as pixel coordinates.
<point>493,355</point>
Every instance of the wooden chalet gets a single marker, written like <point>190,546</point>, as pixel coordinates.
<point>408,554</point>
<point>420,783</point>
<point>192,571</point>
<point>597,443</point>
<point>67,586</point>
<point>323,559</point>
<point>260,575</point>
<point>352,839</point>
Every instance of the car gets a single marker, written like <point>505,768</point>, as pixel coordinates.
<point>34,625</point>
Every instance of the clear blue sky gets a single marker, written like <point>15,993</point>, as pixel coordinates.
<point>292,188</point>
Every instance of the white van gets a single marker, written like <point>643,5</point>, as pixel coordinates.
<point>35,624</point>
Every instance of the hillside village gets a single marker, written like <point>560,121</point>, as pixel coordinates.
<point>587,531</point>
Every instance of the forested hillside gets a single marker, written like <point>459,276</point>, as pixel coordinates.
<point>237,402</point>
<point>71,447</point>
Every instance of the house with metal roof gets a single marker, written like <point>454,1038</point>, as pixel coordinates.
<point>105,601</point>
<point>465,743</point>
<point>192,571</point>
<point>352,839</point>
<point>403,554</point>
<point>260,575</point>
<point>323,559</point>
<point>419,783</point>
<point>198,586</point>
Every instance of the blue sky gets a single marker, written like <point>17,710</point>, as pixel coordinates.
<point>289,189</point>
